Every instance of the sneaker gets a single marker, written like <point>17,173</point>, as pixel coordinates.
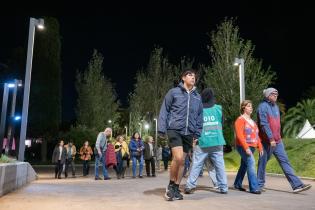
<point>107,178</point>
<point>302,188</point>
<point>153,175</point>
<point>189,190</point>
<point>177,194</point>
<point>256,192</point>
<point>98,178</point>
<point>215,187</point>
<point>169,194</point>
<point>222,191</point>
<point>140,176</point>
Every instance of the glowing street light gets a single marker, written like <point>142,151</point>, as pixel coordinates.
<point>240,63</point>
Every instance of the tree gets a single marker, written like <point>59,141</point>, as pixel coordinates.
<point>222,76</point>
<point>45,96</point>
<point>151,87</point>
<point>97,101</point>
<point>294,119</point>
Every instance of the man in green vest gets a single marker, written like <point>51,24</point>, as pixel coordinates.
<point>209,145</point>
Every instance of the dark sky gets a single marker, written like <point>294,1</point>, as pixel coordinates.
<point>126,35</point>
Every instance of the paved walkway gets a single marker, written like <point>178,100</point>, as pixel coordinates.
<point>48,193</point>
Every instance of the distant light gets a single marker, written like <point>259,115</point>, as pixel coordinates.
<point>11,85</point>
<point>28,142</point>
<point>109,121</point>
<point>40,24</point>
<point>20,84</point>
<point>16,118</point>
<point>155,119</point>
<point>146,126</point>
<point>236,64</point>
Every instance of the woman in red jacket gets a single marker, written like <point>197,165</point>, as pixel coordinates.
<point>247,140</point>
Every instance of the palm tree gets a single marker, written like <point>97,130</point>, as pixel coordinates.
<point>296,116</point>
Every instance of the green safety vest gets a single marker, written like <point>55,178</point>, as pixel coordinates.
<point>212,134</point>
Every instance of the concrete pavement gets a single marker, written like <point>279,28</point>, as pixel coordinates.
<point>48,193</point>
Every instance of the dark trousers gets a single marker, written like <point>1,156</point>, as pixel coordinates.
<point>69,162</point>
<point>58,169</point>
<point>86,167</point>
<point>147,166</point>
<point>165,162</point>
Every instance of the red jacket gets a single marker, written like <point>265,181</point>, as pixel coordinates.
<point>110,156</point>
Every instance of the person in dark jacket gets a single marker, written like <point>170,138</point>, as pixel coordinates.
<point>166,156</point>
<point>149,156</point>
<point>136,148</point>
<point>59,158</point>
<point>181,119</point>
<point>269,132</point>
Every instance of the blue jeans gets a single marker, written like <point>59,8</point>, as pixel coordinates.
<point>102,160</point>
<point>282,158</point>
<point>134,165</point>
<point>211,172</point>
<point>247,164</point>
<point>199,158</point>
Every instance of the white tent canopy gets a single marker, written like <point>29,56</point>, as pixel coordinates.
<point>307,132</point>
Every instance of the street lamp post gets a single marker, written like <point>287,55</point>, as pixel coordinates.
<point>111,126</point>
<point>10,135</point>
<point>146,127</point>
<point>156,143</point>
<point>3,114</point>
<point>240,63</point>
<point>33,23</point>
<point>140,129</point>
<point>126,132</point>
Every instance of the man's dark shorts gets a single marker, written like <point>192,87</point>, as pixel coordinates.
<point>176,139</point>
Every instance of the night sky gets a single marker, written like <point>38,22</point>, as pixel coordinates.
<point>126,36</point>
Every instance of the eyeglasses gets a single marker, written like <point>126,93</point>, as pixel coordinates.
<point>274,94</point>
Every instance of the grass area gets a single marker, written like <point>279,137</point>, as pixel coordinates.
<point>6,159</point>
<point>301,155</point>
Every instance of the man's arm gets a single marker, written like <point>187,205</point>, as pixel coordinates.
<point>164,112</point>
<point>97,144</point>
<point>263,121</point>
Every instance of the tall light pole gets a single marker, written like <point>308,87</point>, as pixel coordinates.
<point>3,114</point>
<point>126,132</point>
<point>140,129</point>
<point>10,135</point>
<point>155,119</point>
<point>146,127</point>
<point>31,34</point>
<point>240,63</point>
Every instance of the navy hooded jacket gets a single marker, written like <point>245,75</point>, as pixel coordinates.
<point>181,111</point>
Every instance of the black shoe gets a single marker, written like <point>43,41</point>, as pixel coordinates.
<point>107,178</point>
<point>148,175</point>
<point>302,188</point>
<point>240,188</point>
<point>256,192</point>
<point>169,194</point>
<point>140,176</point>
<point>98,178</point>
<point>177,194</point>
<point>153,175</point>
<point>59,177</point>
<point>189,190</point>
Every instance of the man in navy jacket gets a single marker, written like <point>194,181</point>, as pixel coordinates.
<point>181,119</point>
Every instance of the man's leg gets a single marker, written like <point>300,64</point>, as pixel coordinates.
<point>66,167</point>
<point>97,159</point>
<point>287,169</point>
<point>211,172</point>
<point>197,164</point>
<point>103,161</point>
<point>153,166</point>
<point>73,167</point>
<point>218,161</point>
<point>177,164</point>
<point>262,162</point>
<point>147,167</point>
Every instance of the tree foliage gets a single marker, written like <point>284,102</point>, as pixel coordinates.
<point>151,87</point>
<point>97,101</point>
<point>223,77</point>
<point>294,119</point>
<point>45,96</point>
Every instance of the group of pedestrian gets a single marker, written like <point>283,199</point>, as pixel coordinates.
<point>193,124</point>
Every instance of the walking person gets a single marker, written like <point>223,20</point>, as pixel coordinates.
<point>100,150</point>
<point>149,156</point>
<point>86,154</point>
<point>269,131</point>
<point>158,157</point>
<point>136,148</point>
<point>181,119</point>
<point>71,152</point>
<point>247,141</point>
<point>166,156</point>
<point>209,145</point>
<point>59,158</point>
